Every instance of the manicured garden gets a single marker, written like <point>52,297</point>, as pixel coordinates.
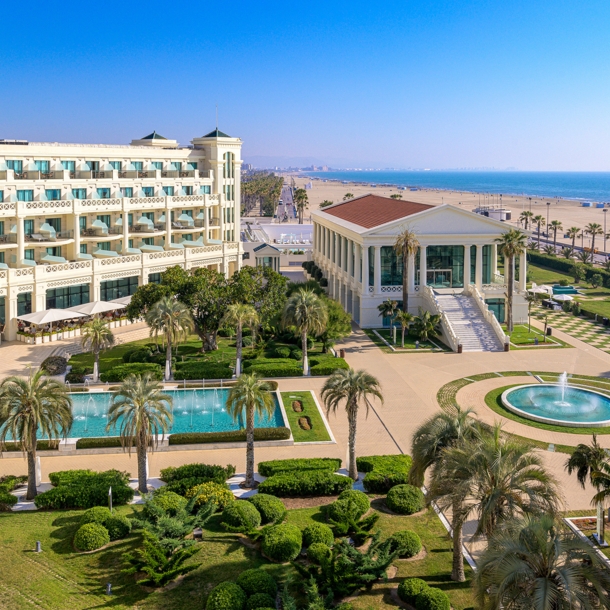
<point>304,417</point>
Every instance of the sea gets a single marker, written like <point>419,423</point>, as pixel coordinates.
<point>580,186</point>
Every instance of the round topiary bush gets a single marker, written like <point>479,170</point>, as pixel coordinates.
<point>260,600</point>
<point>282,542</point>
<point>257,581</point>
<point>296,354</point>
<point>410,588</point>
<point>318,532</point>
<point>317,552</point>
<point>357,497</point>
<point>272,509</point>
<point>118,527</point>
<point>240,516</point>
<point>281,352</point>
<point>218,493</point>
<point>405,499</point>
<point>432,599</point>
<point>97,514</point>
<point>408,543</point>
<point>168,501</point>
<point>91,536</point>
<point>226,596</point>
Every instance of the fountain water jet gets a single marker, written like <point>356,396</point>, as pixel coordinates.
<point>563,384</point>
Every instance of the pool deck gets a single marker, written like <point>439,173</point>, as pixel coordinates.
<point>410,383</point>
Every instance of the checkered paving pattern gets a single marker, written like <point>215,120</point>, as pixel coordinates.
<point>593,333</point>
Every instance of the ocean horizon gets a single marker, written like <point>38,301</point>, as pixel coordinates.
<point>580,186</point>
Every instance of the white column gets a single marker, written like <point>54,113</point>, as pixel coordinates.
<point>20,241</point>
<point>336,248</point>
<point>221,210</point>
<point>206,224</point>
<point>125,232</point>
<point>467,264</point>
<point>377,270</point>
<point>494,260</point>
<point>168,225</point>
<point>411,274</point>
<point>522,271</point>
<point>479,267</point>
<point>365,270</point>
<point>350,258</point>
<point>357,259</point>
<point>423,269</point>
<point>76,235</point>
<point>39,297</point>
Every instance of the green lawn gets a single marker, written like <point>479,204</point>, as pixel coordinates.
<point>318,430</point>
<point>59,578</point>
<point>523,336</point>
<point>409,341</point>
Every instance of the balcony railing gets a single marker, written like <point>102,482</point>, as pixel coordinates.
<point>138,174</point>
<point>3,175</point>
<point>144,229</point>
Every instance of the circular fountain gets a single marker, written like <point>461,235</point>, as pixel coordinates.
<point>559,403</point>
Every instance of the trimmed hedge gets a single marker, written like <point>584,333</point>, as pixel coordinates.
<point>305,484</point>
<point>276,370</point>
<point>226,596</point>
<point>91,536</point>
<point>318,532</point>
<point>317,552</point>
<point>41,445</point>
<point>255,581</point>
<point>240,516</point>
<point>282,542</point>
<point>7,500</point>
<point>118,527</point>
<point>167,500</point>
<point>235,436</point>
<point>100,442</point>
<point>97,514</point>
<point>408,543</point>
<point>221,495</point>
<point>405,499</point>
<point>54,365</point>
<point>202,370</point>
<point>271,467</point>
<point>122,371</point>
<point>282,352</point>
<point>260,600</point>
<point>329,366</point>
<point>358,497</point>
<point>384,471</point>
<point>202,471</point>
<point>432,599</point>
<point>410,588</point>
<point>271,509</point>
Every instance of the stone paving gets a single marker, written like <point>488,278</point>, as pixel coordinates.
<point>589,331</point>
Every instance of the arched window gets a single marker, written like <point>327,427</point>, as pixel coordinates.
<point>229,165</point>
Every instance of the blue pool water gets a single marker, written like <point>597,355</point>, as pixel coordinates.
<point>193,410</point>
<point>574,406</point>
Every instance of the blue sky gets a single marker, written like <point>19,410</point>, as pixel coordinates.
<point>400,83</point>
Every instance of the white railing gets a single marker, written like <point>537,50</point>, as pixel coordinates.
<point>472,291</point>
<point>433,306</point>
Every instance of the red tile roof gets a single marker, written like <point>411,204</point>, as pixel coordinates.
<point>371,211</point>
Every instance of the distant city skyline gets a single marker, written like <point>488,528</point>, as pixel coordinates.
<point>426,84</point>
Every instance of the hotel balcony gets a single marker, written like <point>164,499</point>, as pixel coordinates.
<point>110,174</point>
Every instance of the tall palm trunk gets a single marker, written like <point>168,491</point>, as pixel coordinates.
<point>141,454</point>
<point>96,365</point>
<point>573,241</point>
<point>592,244</point>
<point>555,239</point>
<point>509,295</point>
<point>539,227</point>
<point>168,360</point>
<point>304,348</point>
<point>250,447</point>
<point>403,335</point>
<point>238,358</point>
<point>405,281</point>
<point>457,523</point>
<point>32,492</point>
<point>352,417</point>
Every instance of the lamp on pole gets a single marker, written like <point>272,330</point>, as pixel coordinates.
<point>548,207</point>
<point>605,236</point>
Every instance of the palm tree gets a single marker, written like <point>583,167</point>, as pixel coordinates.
<point>593,229</point>
<point>525,217</point>
<point>173,319</point>
<point>96,337</point>
<point>307,312</point>
<point>249,397</point>
<point>549,250</point>
<point>387,309</point>
<point>406,245</point>
<point>348,196</point>
<point>396,196</point>
<point>353,387</point>
<point>584,256</point>
<point>32,407</point>
<point>531,299</point>
<point>404,318</point>
<point>435,435</point>
<point>585,461</point>
<point>143,413</point>
<point>239,315</point>
<point>535,564</point>
<point>567,252</point>
<point>300,202</point>
<point>555,226</point>
<point>427,324</point>
<point>540,222</point>
<point>512,244</point>
<point>326,203</point>
<point>573,233</point>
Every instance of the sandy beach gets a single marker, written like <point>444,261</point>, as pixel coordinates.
<point>569,213</point>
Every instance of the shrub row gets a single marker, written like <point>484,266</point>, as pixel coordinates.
<point>41,445</point>
<point>202,370</point>
<point>185,477</point>
<point>100,442</point>
<point>276,370</point>
<point>271,467</point>
<point>122,371</point>
<point>384,471</point>
<point>566,265</point>
<point>416,592</point>
<point>234,436</point>
<point>7,484</point>
<point>305,484</point>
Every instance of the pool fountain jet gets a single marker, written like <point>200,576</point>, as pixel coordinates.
<point>87,412</point>
<point>563,384</point>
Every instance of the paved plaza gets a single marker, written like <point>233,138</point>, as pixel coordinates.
<point>590,332</point>
<point>410,383</point>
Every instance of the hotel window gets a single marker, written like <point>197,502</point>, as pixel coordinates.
<point>29,254</point>
<point>188,190</point>
<point>137,165</point>
<point>445,266</point>
<point>149,215</point>
<point>1,195</point>
<point>83,248</point>
<point>26,195</point>
<point>105,218</point>
<point>82,223</point>
<point>157,164</point>
<point>371,266</point>
<point>2,228</point>
<point>148,241</point>
<point>61,298</point>
<point>116,165</point>
<point>193,164</point>
<point>42,166</point>
<point>391,267</point>
<point>168,190</point>
<point>130,243</point>
<point>103,193</point>
<point>93,166</point>
<point>206,189</point>
<point>79,193</point>
<point>1,257</point>
<point>188,237</point>
<point>68,165</point>
<point>177,165</point>
<point>103,245</point>
<point>228,169</point>
<point>24,303</point>
<point>53,194</point>
<point>15,164</point>
<point>154,278</point>
<point>130,220</point>
<point>54,251</point>
<point>189,213</point>
<point>127,191</point>
<point>28,227</point>
<point>115,289</point>
<point>55,223</point>
<point>149,191</point>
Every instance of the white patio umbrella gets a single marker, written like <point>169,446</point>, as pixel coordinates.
<point>122,301</point>
<point>562,297</point>
<point>95,307</point>
<point>38,318</point>
<point>537,290</point>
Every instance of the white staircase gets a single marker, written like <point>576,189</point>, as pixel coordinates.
<point>474,332</point>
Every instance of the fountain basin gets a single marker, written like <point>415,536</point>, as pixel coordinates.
<point>551,403</point>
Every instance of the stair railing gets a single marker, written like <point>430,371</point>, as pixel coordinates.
<point>472,291</point>
<point>433,306</point>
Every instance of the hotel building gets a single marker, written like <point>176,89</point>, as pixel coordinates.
<point>87,222</point>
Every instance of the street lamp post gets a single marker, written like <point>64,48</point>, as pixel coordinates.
<point>548,207</point>
<point>605,210</point>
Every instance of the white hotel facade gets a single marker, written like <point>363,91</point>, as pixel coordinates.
<point>87,222</point>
